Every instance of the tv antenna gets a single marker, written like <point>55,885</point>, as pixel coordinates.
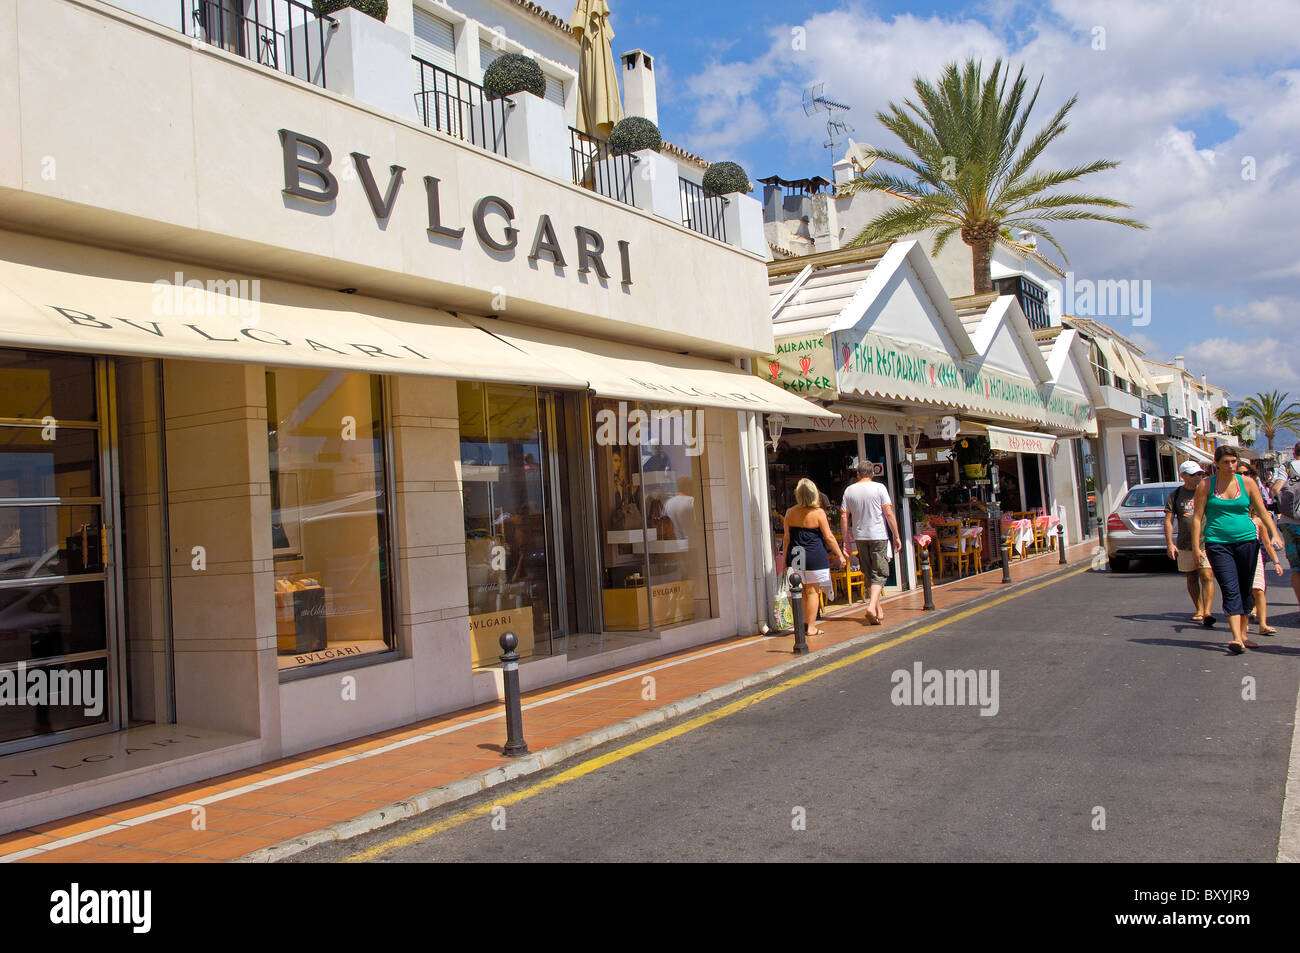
<point>815,100</point>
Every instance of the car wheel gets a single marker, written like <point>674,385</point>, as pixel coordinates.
<point>1119,564</point>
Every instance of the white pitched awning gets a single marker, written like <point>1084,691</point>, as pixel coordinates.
<point>62,296</point>
<point>1190,450</point>
<point>631,372</point>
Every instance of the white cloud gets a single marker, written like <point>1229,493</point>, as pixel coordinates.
<point>1247,367</point>
<point>1277,309</point>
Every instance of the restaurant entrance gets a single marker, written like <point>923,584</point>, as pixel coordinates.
<point>60,605</point>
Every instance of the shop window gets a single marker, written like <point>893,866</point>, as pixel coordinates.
<point>509,537</point>
<point>649,494</point>
<point>329,516</point>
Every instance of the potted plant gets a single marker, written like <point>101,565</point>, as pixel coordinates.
<point>371,8</point>
<point>723,178</point>
<point>512,73</point>
<point>973,456</point>
<point>634,134</point>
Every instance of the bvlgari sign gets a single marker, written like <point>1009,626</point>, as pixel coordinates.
<point>309,175</point>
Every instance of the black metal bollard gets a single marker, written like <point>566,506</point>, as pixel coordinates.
<point>927,581</point>
<point>515,744</point>
<point>1101,533</point>
<point>1006,555</point>
<point>796,606</point>
<point>1060,543</point>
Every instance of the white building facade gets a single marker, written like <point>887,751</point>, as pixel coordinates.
<point>320,367</point>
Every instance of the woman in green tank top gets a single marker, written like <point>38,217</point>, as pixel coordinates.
<point>1225,536</point>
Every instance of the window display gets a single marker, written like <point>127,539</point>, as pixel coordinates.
<point>329,516</point>
<point>649,485</point>
<point>508,534</point>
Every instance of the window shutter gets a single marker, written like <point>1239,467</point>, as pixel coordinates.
<point>486,54</point>
<point>555,90</point>
<point>434,41</point>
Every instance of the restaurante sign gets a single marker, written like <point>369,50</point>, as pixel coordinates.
<point>802,365</point>
<point>308,176</point>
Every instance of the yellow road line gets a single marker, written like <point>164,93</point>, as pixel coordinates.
<point>619,754</point>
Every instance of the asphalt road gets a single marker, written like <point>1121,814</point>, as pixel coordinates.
<point>1121,734</point>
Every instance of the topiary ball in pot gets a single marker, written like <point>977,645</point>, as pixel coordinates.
<point>513,73</point>
<point>722,178</point>
<point>373,8</point>
<point>634,134</point>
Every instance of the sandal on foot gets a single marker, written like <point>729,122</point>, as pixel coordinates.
<point>1250,645</point>
<point>1267,630</point>
<point>1208,621</point>
<point>1198,618</point>
<point>1236,648</point>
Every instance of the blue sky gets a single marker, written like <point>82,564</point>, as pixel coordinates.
<point>1200,103</point>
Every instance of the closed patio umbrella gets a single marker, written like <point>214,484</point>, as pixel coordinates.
<point>598,104</point>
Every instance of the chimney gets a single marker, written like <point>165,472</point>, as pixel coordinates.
<point>639,85</point>
<point>823,222</point>
<point>1180,363</point>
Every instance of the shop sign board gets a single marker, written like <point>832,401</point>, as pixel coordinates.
<point>803,365</point>
<point>1015,442</point>
<point>874,365</point>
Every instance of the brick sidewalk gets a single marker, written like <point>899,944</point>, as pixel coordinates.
<point>272,803</point>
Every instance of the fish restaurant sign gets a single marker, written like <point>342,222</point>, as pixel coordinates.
<point>309,175</point>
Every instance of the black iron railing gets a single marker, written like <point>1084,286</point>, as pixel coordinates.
<point>598,169</point>
<point>285,35</point>
<point>1032,298</point>
<point>702,212</point>
<point>454,105</point>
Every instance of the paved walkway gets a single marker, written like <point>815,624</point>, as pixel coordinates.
<point>401,772</point>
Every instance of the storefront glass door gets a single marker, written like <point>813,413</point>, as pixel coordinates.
<point>58,598</point>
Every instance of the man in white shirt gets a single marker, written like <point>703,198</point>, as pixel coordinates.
<point>868,507</point>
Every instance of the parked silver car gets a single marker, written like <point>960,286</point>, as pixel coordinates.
<point>1137,527</point>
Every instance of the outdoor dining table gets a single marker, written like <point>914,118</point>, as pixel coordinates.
<point>1020,532</point>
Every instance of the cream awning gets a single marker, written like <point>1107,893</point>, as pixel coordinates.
<point>1113,361</point>
<point>62,296</point>
<point>631,372</point>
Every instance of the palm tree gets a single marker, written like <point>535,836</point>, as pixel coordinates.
<point>1234,424</point>
<point>970,174</point>
<point>1272,413</point>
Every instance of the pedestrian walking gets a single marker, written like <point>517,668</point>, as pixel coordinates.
<point>1224,534</point>
<point>809,545</point>
<point>868,511</point>
<point>1179,508</point>
<point>1267,554</point>
<point>1286,490</point>
<point>1267,557</point>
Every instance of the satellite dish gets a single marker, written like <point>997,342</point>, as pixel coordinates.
<point>859,156</point>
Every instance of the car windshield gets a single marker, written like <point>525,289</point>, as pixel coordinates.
<point>1148,496</point>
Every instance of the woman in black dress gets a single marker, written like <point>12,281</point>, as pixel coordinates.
<point>808,539</point>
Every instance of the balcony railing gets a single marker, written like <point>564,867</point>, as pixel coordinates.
<point>596,168</point>
<point>702,212</point>
<point>1155,406</point>
<point>454,105</point>
<point>1032,299</point>
<point>281,34</point>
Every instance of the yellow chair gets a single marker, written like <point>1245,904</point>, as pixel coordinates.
<point>846,579</point>
<point>951,547</point>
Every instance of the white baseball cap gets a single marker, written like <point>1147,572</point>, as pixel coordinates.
<point>1189,467</point>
